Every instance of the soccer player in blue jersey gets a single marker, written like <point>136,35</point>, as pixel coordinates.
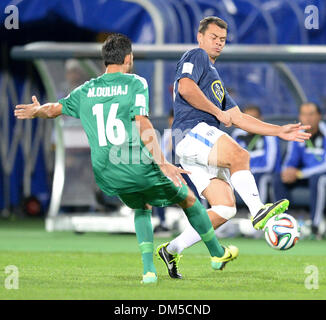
<point>217,163</point>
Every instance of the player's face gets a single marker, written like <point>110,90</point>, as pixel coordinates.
<point>213,40</point>
<point>310,116</point>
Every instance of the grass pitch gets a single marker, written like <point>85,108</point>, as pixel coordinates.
<point>63,265</point>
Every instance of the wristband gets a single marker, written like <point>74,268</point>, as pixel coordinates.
<point>299,174</point>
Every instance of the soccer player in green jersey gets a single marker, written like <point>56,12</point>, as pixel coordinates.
<point>126,158</point>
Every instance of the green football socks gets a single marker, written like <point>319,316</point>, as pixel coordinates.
<point>200,221</point>
<point>144,234</point>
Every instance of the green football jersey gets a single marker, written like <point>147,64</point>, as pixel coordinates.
<point>107,107</point>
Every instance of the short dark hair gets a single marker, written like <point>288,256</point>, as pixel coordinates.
<point>115,48</point>
<point>203,24</point>
<point>318,109</point>
<point>252,107</point>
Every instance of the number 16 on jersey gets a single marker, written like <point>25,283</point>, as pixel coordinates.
<point>114,129</point>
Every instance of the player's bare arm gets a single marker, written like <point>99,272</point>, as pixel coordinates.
<point>35,110</point>
<point>148,136</point>
<point>190,91</point>
<point>290,132</point>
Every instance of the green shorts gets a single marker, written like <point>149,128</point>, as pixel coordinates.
<point>161,195</point>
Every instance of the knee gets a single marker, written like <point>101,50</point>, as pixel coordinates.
<point>241,157</point>
<point>189,201</point>
<point>224,212</point>
<point>244,155</point>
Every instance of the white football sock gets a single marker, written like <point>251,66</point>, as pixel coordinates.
<point>184,240</point>
<point>244,183</point>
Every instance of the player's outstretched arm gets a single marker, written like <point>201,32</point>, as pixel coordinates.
<point>290,132</point>
<point>191,92</point>
<point>35,110</point>
<point>294,132</point>
<point>148,136</point>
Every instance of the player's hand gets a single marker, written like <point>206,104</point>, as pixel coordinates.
<point>27,111</point>
<point>174,173</point>
<point>289,175</point>
<point>225,118</point>
<point>294,132</point>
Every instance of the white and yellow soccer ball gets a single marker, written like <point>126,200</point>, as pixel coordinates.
<point>282,232</point>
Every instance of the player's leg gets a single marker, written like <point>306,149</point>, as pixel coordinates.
<point>226,152</point>
<point>202,225</point>
<point>144,234</point>
<point>317,187</point>
<point>221,198</point>
<point>198,218</point>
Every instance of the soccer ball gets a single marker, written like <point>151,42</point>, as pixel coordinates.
<point>282,232</point>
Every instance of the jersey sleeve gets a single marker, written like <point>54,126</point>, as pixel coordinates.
<point>192,66</point>
<point>71,103</point>
<point>229,103</point>
<point>140,105</point>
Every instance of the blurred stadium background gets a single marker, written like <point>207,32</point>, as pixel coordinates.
<point>37,155</point>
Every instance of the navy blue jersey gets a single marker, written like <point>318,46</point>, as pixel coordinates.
<point>195,65</point>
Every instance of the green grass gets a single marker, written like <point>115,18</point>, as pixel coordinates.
<point>63,265</point>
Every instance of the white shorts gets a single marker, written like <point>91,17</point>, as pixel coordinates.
<point>193,151</point>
